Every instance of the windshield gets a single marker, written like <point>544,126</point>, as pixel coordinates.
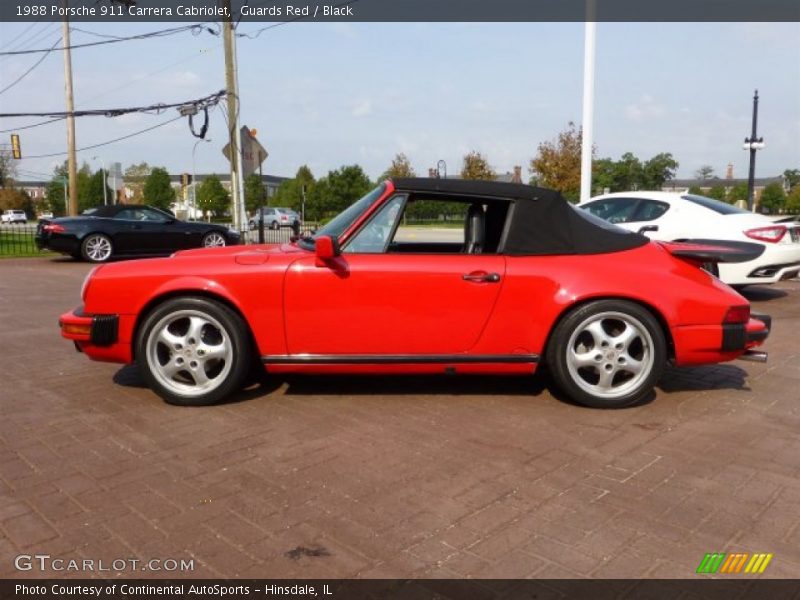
<point>722,208</point>
<point>341,222</point>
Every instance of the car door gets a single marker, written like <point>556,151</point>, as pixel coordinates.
<point>370,302</point>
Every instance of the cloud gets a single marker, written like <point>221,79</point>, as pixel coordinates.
<point>363,108</point>
<point>645,109</point>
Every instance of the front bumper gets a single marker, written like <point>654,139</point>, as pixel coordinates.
<point>98,330</point>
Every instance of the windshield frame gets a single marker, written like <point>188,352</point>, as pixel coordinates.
<point>345,220</point>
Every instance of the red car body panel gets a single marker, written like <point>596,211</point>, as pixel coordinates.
<point>359,306</point>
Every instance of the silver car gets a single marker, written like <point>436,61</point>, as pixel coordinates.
<point>274,217</point>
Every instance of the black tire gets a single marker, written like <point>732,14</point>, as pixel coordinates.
<point>274,225</point>
<point>608,381</point>
<point>91,248</point>
<point>155,357</point>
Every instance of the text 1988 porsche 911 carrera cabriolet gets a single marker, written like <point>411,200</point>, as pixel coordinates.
<point>527,280</point>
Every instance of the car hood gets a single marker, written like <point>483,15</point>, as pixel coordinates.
<point>243,252</point>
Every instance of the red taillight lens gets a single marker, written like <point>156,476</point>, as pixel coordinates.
<point>53,228</point>
<point>737,314</point>
<point>772,234</point>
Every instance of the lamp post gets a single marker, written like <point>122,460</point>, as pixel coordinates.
<point>194,174</point>
<point>753,143</point>
<point>105,174</point>
<point>441,169</point>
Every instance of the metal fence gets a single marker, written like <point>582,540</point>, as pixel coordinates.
<point>18,240</point>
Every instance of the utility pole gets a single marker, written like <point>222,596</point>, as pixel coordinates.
<point>231,81</point>
<point>587,125</point>
<point>72,161</point>
<point>753,143</point>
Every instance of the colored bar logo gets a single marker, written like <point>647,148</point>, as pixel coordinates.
<point>735,563</point>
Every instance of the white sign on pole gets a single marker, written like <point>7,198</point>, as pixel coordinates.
<point>114,178</point>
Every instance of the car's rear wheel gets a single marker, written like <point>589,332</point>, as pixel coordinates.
<point>274,225</point>
<point>607,354</point>
<point>213,239</point>
<point>194,351</point>
<point>97,248</point>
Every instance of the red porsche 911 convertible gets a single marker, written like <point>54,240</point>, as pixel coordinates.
<point>525,279</point>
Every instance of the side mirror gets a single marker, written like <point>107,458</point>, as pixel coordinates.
<point>326,248</point>
<point>647,228</point>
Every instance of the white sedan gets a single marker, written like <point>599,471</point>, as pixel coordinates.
<point>671,216</point>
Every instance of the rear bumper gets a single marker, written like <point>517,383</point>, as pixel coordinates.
<point>703,344</point>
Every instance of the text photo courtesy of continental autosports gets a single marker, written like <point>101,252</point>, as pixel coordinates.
<point>373,299</point>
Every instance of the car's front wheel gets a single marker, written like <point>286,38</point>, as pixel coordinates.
<point>194,351</point>
<point>97,248</point>
<point>213,239</point>
<point>607,354</point>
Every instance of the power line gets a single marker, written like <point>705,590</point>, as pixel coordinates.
<point>36,64</point>
<point>196,29</point>
<point>23,32</point>
<point>119,139</point>
<point>200,103</point>
<point>32,125</point>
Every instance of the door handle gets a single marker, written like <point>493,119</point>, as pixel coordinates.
<point>481,277</point>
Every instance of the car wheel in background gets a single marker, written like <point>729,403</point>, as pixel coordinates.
<point>607,354</point>
<point>96,248</point>
<point>213,239</point>
<point>193,351</point>
<point>274,225</point>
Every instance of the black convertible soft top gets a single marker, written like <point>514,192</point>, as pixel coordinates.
<point>542,221</point>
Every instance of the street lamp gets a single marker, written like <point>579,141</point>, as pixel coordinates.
<point>194,175</point>
<point>105,174</point>
<point>753,143</point>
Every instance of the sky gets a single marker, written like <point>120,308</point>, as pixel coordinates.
<point>333,94</point>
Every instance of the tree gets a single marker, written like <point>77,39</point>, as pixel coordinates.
<point>254,192</point>
<point>56,189</point>
<point>91,190</point>
<point>135,176</point>
<point>704,172</point>
<point>717,193</point>
<point>338,190</point>
<point>793,201</point>
<point>13,198</point>
<point>157,189</point>
<point>400,167</point>
<point>773,198</point>
<point>475,166</point>
<point>558,164</point>
<point>792,177</point>
<point>212,197</point>
<point>736,193</point>
<point>697,191</point>
<point>8,168</point>
<point>657,170</point>
<point>290,192</point>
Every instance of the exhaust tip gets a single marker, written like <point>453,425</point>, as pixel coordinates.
<point>754,356</point>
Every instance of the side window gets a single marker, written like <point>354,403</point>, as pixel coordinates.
<point>152,215</point>
<point>432,222</point>
<point>129,214</point>
<point>374,236</point>
<point>614,210</point>
<point>649,210</point>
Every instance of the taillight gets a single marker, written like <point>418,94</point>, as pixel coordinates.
<point>737,314</point>
<point>53,228</point>
<point>773,234</point>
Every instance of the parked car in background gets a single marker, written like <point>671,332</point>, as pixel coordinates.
<point>532,280</point>
<point>672,216</point>
<point>274,217</point>
<point>45,215</point>
<point>14,216</point>
<point>127,230</point>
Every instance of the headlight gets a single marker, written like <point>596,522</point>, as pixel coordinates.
<point>86,282</point>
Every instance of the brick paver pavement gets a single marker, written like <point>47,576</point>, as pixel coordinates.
<point>390,477</point>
